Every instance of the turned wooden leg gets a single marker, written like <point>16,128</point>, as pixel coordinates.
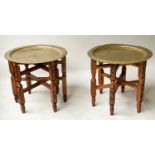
<point>64,79</point>
<point>113,70</point>
<point>13,81</point>
<point>93,82</point>
<point>100,79</point>
<point>14,89</point>
<point>20,91</point>
<point>53,86</point>
<point>28,79</point>
<point>124,77</point>
<point>57,78</point>
<point>141,83</point>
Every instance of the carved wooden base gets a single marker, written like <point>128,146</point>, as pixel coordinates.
<point>18,75</point>
<point>116,82</point>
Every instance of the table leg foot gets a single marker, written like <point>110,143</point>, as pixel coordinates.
<point>22,109</point>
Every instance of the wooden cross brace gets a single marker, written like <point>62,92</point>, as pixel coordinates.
<point>18,75</point>
<point>116,82</point>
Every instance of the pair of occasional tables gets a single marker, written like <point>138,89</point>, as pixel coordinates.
<point>50,58</point>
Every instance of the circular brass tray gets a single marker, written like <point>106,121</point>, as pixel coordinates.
<point>119,54</point>
<point>35,54</point>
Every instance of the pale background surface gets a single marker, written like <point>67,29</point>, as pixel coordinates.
<point>38,105</point>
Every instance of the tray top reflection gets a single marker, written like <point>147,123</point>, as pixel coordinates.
<point>119,54</point>
<point>35,54</point>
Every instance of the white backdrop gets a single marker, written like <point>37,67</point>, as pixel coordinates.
<point>38,105</point>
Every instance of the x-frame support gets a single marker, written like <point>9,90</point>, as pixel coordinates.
<point>18,75</point>
<point>116,82</point>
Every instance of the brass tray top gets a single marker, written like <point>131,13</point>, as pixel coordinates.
<point>119,54</point>
<point>35,54</point>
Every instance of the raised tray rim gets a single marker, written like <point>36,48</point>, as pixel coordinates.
<point>7,55</point>
<point>90,54</point>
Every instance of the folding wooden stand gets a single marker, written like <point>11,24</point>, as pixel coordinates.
<point>18,75</point>
<point>116,81</point>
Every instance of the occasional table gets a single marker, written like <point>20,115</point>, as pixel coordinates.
<point>24,60</point>
<point>114,56</point>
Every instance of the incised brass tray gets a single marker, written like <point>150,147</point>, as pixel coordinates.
<point>35,54</point>
<point>119,54</point>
